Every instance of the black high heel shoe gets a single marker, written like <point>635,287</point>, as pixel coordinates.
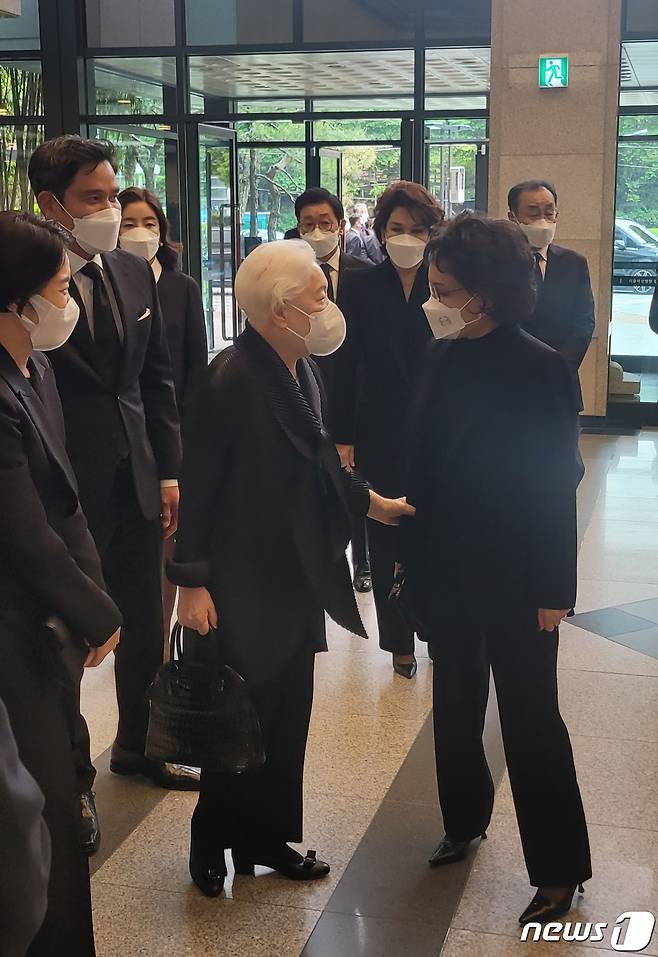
<point>542,909</point>
<point>450,851</point>
<point>285,861</point>
<point>209,876</point>
<point>405,670</point>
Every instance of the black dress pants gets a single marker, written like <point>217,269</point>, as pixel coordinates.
<point>359,542</point>
<point>538,751</point>
<point>394,635</point>
<point>263,808</point>
<point>41,703</point>
<point>130,548</point>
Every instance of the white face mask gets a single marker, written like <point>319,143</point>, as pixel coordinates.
<point>97,232</point>
<point>539,234</point>
<point>54,325</point>
<point>446,321</point>
<point>140,241</point>
<point>327,332</point>
<point>405,251</point>
<point>321,242</point>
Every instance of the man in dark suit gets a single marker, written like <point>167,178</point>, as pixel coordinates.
<point>564,314</point>
<point>115,381</point>
<point>320,219</point>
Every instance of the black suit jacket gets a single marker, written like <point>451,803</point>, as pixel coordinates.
<point>493,475</point>
<point>140,405</point>
<point>264,518</point>
<point>376,369</point>
<point>49,561</point>
<point>185,324</point>
<point>653,309</point>
<point>564,314</point>
<point>346,263</point>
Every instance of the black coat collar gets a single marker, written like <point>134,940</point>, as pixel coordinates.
<point>36,407</point>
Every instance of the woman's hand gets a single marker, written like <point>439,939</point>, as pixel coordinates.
<point>346,454</point>
<point>549,618</point>
<point>96,655</point>
<point>196,610</point>
<point>389,511</point>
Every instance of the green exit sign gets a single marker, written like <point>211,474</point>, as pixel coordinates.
<point>553,72</point>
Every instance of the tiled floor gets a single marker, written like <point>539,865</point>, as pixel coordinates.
<point>371,798</point>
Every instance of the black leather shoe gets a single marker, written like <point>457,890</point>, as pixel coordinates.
<point>405,670</point>
<point>542,909</point>
<point>362,578</point>
<point>175,777</point>
<point>90,829</point>
<point>285,861</point>
<point>450,851</point>
<point>209,876</point>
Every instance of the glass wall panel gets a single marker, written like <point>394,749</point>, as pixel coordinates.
<point>127,85</point>
<point>292,105</point>
<point>641,16</point>
<point>367,171</point>
<point>17,143</point>
<point>270,179</point>
<point>130,23</point>
<point>259,130</point>
<point>633,344</point>
<point>458,70</point>
<point>21,88</point>
<point>147,157</point>
<point>21,33</point>
<point>363,104</point>
<point>448,20</point>
<point>230,22</point>
<point>324,130</point>
<point>461,104</point>
<point>354,20</point>
<point>458,129</point>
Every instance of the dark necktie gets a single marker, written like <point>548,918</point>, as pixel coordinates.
<point>326,269</point>
<point>538,273</point>
<point>104,328</point>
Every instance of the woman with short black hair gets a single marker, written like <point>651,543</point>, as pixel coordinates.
<point>55,617</point>
<point>490,560</point>
<point>375,371</point>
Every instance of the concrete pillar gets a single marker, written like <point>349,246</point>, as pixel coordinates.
<point>568,136</point>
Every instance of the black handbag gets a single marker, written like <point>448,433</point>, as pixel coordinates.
<point>200,711</point>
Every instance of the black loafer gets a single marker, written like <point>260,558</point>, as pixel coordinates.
<point>542,909</point>
<point>449,851</point>
<point>174,777</point>
<point>90,829</point>
<point>405,670</point>
<point>208,875</point>
<point>285,861</point>
<point>362,578</point>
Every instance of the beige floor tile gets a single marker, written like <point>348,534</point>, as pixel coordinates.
<point>617,508</point>
<point>582,651</point>
<point>625,878</point>
<point>99,706</point>
<point>622,535</point>
<point>366,685</point>
<point>621,563</point>
<point>145,923</point>
<point>599,705</point>
<point>465,943</point>
<point>599,593</point>
<point>618,781</point>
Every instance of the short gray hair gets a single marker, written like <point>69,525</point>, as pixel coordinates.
<point>271,274</point>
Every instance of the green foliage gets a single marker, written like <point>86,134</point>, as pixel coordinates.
<point>21,94</point>
<point>637,170</point>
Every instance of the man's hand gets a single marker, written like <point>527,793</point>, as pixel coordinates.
<point>96,655</point>
<point>550,618</point>
<point>346,453</point>
<point>389,511</point>
<point>196,610</point>
<point>169,496</point>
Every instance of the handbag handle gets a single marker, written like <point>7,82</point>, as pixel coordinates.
<point>175,643</point>
<point>215,657</point>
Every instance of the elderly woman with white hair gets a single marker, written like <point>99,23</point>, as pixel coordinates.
<point>260,555</point>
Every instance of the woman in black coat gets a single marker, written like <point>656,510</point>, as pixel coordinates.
<point>55,616</point>
<point>145,231</point>
<point>375,372</point>
<point>260,555</point>
<point>491,556</point>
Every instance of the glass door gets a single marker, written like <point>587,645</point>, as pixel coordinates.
<point>456,164</point>
<point>331,170</point>
<point>217,246</point>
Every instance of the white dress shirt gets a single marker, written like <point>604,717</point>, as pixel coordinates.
<point>543,252</point>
